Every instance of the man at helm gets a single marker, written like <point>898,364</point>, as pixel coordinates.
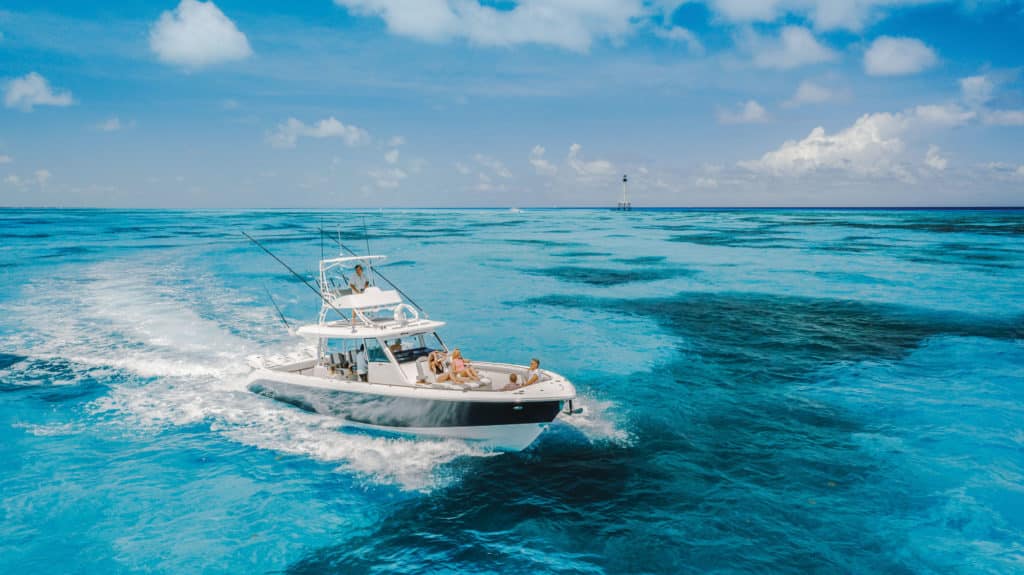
<point>359,281</point>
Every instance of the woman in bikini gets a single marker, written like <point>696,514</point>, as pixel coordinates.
<point>461,367</point>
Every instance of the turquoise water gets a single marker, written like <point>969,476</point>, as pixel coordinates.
<point>764,391</point>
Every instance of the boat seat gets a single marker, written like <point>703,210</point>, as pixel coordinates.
<point>423,370</point>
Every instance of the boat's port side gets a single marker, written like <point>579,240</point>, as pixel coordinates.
<point>400,412</point>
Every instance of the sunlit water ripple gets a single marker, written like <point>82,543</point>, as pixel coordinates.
<point>764,391</point>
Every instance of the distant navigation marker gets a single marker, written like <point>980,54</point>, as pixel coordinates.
<point>624,204</point>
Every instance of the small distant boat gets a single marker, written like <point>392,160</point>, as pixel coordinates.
<point>400,393</point>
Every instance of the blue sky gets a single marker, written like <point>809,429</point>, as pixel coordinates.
<point>392,103</point>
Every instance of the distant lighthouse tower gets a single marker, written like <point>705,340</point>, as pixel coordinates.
<point>624,204</point>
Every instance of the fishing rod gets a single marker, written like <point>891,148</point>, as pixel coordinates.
<point>279,313</point>
<point>382,276</point>
<point>294,273</point>
<point>366,236</point>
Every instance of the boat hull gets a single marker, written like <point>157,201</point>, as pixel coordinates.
<point>509,426</point>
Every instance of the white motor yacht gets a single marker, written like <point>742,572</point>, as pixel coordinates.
<point>399,392</point>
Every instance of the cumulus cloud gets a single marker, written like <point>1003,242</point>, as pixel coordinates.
<point>38,178</point>
<point>391,156</point>
<point>873,146</point>
<point>387,179</point>
<point>462,169</point>
<point>493,164</point>
<point>196,35</point>
<point>976,91</point>
<point>934,160</point>
<point>794,47</point>
<point>288,133</point>
<point>569,24</point>
<point>810,93</point>
<point>681,35</point>
<point>396,141</point>
<point>948,115</point>
<point>889,56</point>
<point>706,182</point>
<point>869,147</point>
<point>540,164</point>
<point>584,168</point>
<point>749,112</point>
<point>33,90</point>
<point>825,14</point>
<point>1003,117</point>
<point>5,159</point>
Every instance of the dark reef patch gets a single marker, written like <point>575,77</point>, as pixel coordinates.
<point>642,260</point>
<point>735,238</point>
<point>757,337</point>
<point>581,254</point>
<point>610,277</point>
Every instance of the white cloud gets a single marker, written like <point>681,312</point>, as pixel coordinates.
<point>585,168</point>
<point>288,133</point>
<point>869,147</point>
<point>110,125</point>
<point>976,91</point>
<point>810,93</point>
<point>541,164</point>
<point>33,90</point>
<point>38,178</point>
<point>396,141</point>
<point>570,24</point>
<point>682,36</point>
<point>825,14</point>
<point>749,112</point>
<point>462,169</point>
<point>890,56</point>
<point>387,179</point>
<point>197,34</point>
<point>794,47</point>
<point>6,159</point>
<point>1003,117</point>
<point>494,165</point>
<point>948,115</point>
<point>391,156</point>
<point>934,160</point>
<point>706,182</point>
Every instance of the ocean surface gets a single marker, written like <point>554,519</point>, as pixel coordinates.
<point>764,391</point>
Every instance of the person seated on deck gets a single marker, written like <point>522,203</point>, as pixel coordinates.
<point>435,362</point>
<point>461,367</point>
<point>533,375</point>
<point>513,383</point>
<point>396,346</point>
<point>359,282</point>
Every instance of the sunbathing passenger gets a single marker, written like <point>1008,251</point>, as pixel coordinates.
<point>435,362</point>
<point>461,366</point>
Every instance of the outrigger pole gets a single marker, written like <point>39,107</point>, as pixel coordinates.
<point>296,274</point>
<point>279,313</point>
<point>380,275</point>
